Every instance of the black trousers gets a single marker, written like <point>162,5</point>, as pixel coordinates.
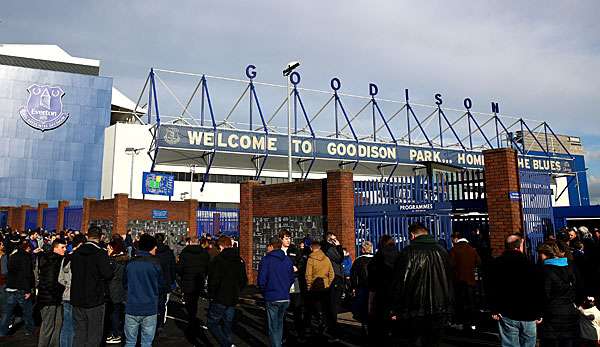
<point>191,306</point>
<point>316,303</point>
<point>88,326</point>
<point>335,290</point>
<point>297,309</point>
<point>428,329</point>
<point>465,303</point>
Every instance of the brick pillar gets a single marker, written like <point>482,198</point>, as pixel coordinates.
<point>19,217</point>
<point>86,213</point>
<point>11,219</point>
<point>216,223</point>
<point>246,226</point>
<point>192,207</point>
<point>60,215</point>
<point>120,214</point>
<point>340,208</point>
<point>40,213</point>
<point>502,178</point>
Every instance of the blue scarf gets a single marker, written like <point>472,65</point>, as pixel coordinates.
<point>557,262</point>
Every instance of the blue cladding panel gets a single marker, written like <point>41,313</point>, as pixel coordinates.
<point>50,166</point>
<point>50,218</point>
<point>73,217</point>
<point>30,219</point>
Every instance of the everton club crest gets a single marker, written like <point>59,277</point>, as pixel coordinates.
<point>44,110</point>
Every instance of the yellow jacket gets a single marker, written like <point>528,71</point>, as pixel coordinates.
<point>319,272</point>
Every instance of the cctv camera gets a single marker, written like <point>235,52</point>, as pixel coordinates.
<point>290,67</point>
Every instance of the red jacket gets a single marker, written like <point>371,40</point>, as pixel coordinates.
<point>464,259</point>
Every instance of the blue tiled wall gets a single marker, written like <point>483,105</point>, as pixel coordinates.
<point>64,163</point>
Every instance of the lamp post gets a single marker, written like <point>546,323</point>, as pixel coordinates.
<point>192,171</point>
<point>291,66</point>
<point>133,152</point>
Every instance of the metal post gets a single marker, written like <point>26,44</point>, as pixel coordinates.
<point>131,176</point>
<point>192,167</point>
<point>289,130</point>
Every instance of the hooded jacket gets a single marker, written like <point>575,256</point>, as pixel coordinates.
<point>90,269</point>
<point>422,280</point>
<point>20,271</point>
<point>49,290</point>
<point>143,279</point>
<point>116,290</point>
<point>226,277</point>
<point>275,276</point>
<point>193,267</point>
<point>508,275</point>
<point>168,267</point>
<point>319,271</point>
<point>561,318</point>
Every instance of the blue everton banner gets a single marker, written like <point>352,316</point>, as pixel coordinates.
<point>158,184</point>
<point>257,143</point>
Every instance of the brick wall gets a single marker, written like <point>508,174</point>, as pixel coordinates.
<point>501,178</point>
<point>332,198</point>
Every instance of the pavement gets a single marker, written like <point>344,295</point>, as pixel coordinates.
<point>250,330</point>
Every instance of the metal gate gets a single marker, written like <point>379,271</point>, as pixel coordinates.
<point>536,199</point>
<point>30,219</point>
<point>224,221</point>
<point>3,218</point>
<point>390,206</point>
<point>49,218</point>
<point>73,216</point>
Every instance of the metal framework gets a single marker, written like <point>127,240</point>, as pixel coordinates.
<point>468,131</point>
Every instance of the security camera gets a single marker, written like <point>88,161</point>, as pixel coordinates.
<point>290,67</point>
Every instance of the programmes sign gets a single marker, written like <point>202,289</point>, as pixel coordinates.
<point>256,143</point>
<point>44,109</point>
<point>158,184</point>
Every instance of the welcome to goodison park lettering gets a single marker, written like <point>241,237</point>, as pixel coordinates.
<point>257,143</point>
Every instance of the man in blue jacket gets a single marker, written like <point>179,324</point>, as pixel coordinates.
<point>275,277</point>
<point>143,279</point>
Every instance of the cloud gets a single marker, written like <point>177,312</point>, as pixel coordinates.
<point>594,188</point>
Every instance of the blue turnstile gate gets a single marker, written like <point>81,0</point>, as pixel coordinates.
<point>3,218</point>
<point>390,206</point>
<point>49,218</point>
<point>536,200</point>
<point>442,202</point>
<point>30,219</point>
<point>73,215</point>
<point>225,220</point>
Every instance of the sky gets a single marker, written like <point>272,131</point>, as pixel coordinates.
<point>538,59</point>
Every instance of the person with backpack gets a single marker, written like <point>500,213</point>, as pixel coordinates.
<point>116,290</point>
<point>64,278</point>
<point>49,296</point>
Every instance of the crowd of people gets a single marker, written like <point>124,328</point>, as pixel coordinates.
<point>79,282</point>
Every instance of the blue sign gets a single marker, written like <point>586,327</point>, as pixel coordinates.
<point>514,196</point>
<point>306,147</point>
<point>160,214</point>
<point>158,184</point>
<point>44,110</point>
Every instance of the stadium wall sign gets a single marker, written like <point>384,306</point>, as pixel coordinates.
<point>44,109</point>
<point>198,138</point>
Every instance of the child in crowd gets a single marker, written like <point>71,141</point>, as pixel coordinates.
<point>589,322</point>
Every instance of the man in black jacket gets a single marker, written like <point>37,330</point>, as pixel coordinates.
<point>333,250</point>
<point>90,268</point>
<point>515,291</point>
<point>19,286</point>
<point>422,291</point>
<point>168,268</point>
<point>193,267</point>
<point>49,296</point>
<point>226,278</point>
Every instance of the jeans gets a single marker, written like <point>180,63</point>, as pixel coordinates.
<point>275,316</point>
<point>514,333</point>
<point>12,300</point>
<point>66,332</point>
<point>89,326</point>
<point>134,323</point>
<point>220,319</point>
<point>52,316</point>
